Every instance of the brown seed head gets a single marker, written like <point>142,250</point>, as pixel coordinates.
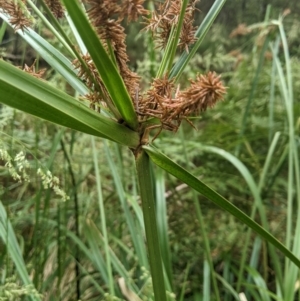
<point>132,9</point>
<point>167,16</point>
<point>31,70</point>
<point>204,92</point>
<point>56,8</point>
<point>20,17</point>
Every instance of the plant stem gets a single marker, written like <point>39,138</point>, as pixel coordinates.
<point>148,206</point>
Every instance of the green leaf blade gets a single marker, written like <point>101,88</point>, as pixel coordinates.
<point>52,56</point>
<point>106,68</point>
<point>200,35</point>
<point>26,93</point>
<point>180,173</point>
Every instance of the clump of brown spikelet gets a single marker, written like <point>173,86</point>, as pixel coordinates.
<point>106,17</point>
<point>20,17</point>
<point>163,101</point>
<point>166,16</point>
<point>171,107</point>
<point>31,70</point>
<point>56,8</point>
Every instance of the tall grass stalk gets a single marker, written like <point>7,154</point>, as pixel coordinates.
<point>103,219</point>
<point>149,211</point>
<point>286,88</point>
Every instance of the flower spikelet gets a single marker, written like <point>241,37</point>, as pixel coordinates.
<point>20,17</point>
<point>91,77</point>
<point>188,30</point>
<point>203,92</point>
<point>106,16</point>
<point>18,172</point>
<point>171,105</point>
<point>56,8</point>
<point>50,181</point>
<point>31,70</point>
<point>161,102</point>
<point>167,16</point>
<point>98,94</point>
<point>157,97</point>
<point>132,9</point>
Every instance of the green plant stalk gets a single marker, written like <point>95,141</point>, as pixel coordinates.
<point>76,210</point>
<point>229,288</point>
<point>286,86</point>
<point>103,219</point>
<point>200,35</point>
<point>251,96</point>
<point>2,31</point>
<point>175,39</point>
<point>162,224</point>
<point>206,281</point>
<point>134,229</point>
<point>272,91</point>
<point>166,55</point>
<point>110,76</point>
<point>61,36</point>
<point>149,212</point>
<point>206,246</point>
<point>186,274</point>
<point>266,167</point>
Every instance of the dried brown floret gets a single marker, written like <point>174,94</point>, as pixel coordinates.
<point>20,17</point>
<point>166,16</point>
<point>171,107</point>
<point>88,77</point>
<point>187,35</point>
<point>241,30</point>
<point>92,79</point>
<point>204,92</point>
<point>105,16</point>
<point>31,70</point>
<point>56,8</point>
<point>132,9</point>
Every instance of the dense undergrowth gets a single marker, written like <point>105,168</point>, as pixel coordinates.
<point>63,241</point>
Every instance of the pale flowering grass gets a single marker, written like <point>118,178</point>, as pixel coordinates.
<point>18,168</point>
<point>13,291</point>
<point>50,181</point>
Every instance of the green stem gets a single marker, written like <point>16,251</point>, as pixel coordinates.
<point>177,34</point>
<point>148,206</point>
<point>60,34</point>
<point>103,219</point>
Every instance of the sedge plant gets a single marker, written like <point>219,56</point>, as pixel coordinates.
<point>110,102</point>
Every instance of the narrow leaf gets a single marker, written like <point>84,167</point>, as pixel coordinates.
<point>200,35</point>
<point>106,68</point>
<point>26,93</point>
<point>52,56</point>
<point>180,173</point>
<point>9,238</point>
<point>148,205</point>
